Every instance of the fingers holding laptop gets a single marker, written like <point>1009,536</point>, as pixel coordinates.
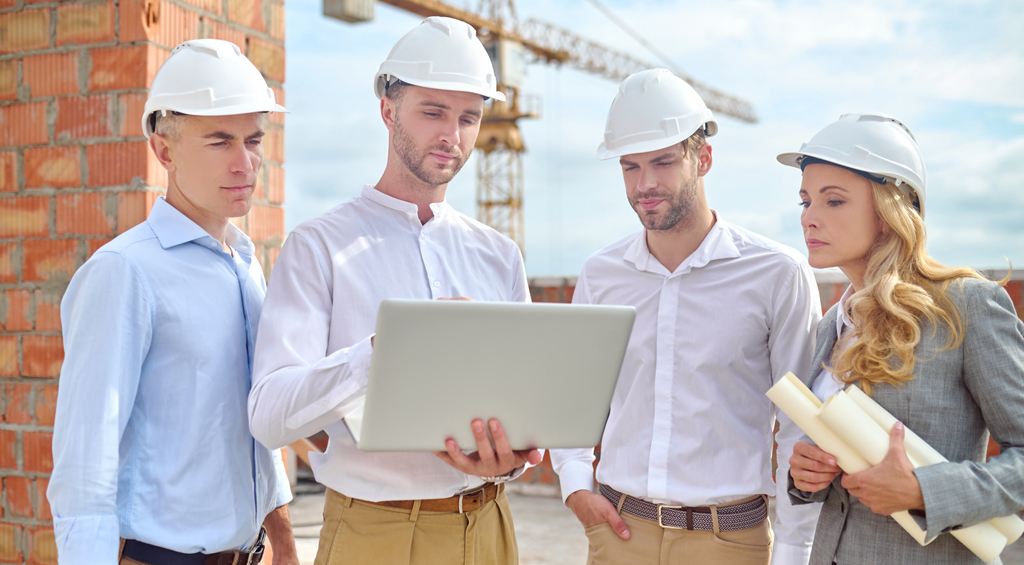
<point>593,509</point>
<point>489,460</point>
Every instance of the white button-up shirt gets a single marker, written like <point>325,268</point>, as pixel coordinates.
<point>690,423</point>
<point>313,353</point>
<point>151,439</point>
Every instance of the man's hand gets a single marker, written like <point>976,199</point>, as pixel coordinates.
<point>890,486</point>
<point>488,460</point>
<point>812,468</point>
<point>279,532</point>
<point>593,509</point>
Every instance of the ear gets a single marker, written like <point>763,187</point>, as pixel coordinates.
<point>163,150</point>
<point>704,160</point>
<point>388,109</point>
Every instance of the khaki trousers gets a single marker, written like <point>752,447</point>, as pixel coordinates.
<point>650,544</point>
<point>359,533</point>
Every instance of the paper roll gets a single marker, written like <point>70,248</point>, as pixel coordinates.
<point>800,404</point>
<point>854,426</point>
<point>919,451</point>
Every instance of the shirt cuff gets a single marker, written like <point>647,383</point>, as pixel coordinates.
<point>87,540</point>
<point>574,476</point>
<point>786,554</point>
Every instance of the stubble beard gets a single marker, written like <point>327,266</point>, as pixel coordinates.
<point>405,148</point>
<point>679,207</point>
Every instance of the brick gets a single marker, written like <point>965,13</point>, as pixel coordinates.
<point>266,223</point>
<point>268,58</point>
<point>19,496</point>
<point>19,403</point>
<point>247,13</point>
<point>23,124</point>
<point>93,245</point>
<point>277,21</point>
<point>177,24</point>
<point>567,292</point>
<point>8,363</point>
<point>272,254</point>
<point>85,23</point>
<point>85,214</point>
<point>9,79</point>
<point>118,68</point>
<point>10,263</point>
<point>133,208</point>
<point>37,454</point>
<point>47,310</point>
<point>275,184</point>
<point>25,216</point>
<point>24,30</point>
<point>115,164</point>
<point>260,189</point>
<point>1013,288</point>
<point>131,107</point>
<point>8,450</point>
<point>139,20</point>
<point>46,404</point>
<point>8,171</point>
<point>53,74</point>
<point>277,118</point>
<point>10,543</point>
<point>219,30</point>
<point>211,6</point>
<point>42,504</point>
<point>273,145</point>
<point>43,547</point>
<point>81,117</point>
<point>19,302</point>
<point>4,4</point>
<point>52,167</point>
<point>49,259</point>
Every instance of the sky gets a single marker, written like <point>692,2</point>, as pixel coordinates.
<point>951,70</point>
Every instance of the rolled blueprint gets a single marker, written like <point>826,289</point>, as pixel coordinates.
<point>866,436</point>
<point>923,454</point>
<point>800,404</point>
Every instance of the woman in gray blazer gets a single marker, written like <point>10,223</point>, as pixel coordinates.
<point>938,347</point>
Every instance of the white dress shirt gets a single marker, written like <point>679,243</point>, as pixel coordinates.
<point>313,353</point>
<point>690,423</point>
<point>151,438</point>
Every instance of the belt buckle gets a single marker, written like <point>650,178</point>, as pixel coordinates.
<point>663,524</point>
<point>257,548</point>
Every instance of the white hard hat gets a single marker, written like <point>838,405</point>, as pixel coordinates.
<point>441,53</point>
<point>208,77</point>
<point>875,144</point>
<point>653,109</point>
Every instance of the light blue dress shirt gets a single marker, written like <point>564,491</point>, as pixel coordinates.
<point>151,439</point>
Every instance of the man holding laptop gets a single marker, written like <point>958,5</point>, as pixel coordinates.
<point>398,239</point>
<point>722,313</point>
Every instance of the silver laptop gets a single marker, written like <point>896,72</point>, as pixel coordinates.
<point>545,371</point>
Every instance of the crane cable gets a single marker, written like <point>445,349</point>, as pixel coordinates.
<point>637,36</point>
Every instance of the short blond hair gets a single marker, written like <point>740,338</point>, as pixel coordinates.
<point>170,124</point>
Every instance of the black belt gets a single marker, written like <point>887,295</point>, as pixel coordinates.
<point>730,518</point>
<point>155,555</point>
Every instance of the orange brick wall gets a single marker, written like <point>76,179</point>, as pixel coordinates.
<point>75,171</point>
<point>830,290</point>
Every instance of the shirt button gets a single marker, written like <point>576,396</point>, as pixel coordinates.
<point>437,283</point>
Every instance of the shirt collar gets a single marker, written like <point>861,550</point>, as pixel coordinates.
<point>718,244</point>
<point>440,209</point>
<point>173,228</point>
<point>842,318</point>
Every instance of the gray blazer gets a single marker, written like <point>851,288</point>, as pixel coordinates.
<point>956,398</point>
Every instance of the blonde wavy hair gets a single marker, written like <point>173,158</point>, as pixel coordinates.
<point>902,285</point>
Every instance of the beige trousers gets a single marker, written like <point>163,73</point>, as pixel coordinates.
<point>650,544</point>
<point>358,533</point>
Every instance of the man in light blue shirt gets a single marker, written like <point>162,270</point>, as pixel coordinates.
<point>153,459</point>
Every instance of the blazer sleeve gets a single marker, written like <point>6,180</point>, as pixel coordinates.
<point>965,493</point>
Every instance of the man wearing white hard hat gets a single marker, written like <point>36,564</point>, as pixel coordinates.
<point>153,459</point>
<point>398,239</point>
<point>722,313</point>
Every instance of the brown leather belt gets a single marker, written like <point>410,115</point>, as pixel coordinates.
<point>463,502</point>
<point>730,518</point>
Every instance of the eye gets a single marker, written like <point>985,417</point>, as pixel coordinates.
<point>835,202</point>
<point>432,114</point>
<point>805,204</point>
<point>219,144</point>
<point>628,167</point>
<point>255,142</point>
<point>666,163</point>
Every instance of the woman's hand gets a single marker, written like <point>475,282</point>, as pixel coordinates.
<point>812,468</point>
<point>890,486</point>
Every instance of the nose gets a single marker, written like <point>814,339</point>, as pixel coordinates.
<point>450,132</point>
<point>243,160</point>
<point>646,179</point>
<point>809,217</point>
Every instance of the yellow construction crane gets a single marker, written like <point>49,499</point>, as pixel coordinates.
<point>511,42</point>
